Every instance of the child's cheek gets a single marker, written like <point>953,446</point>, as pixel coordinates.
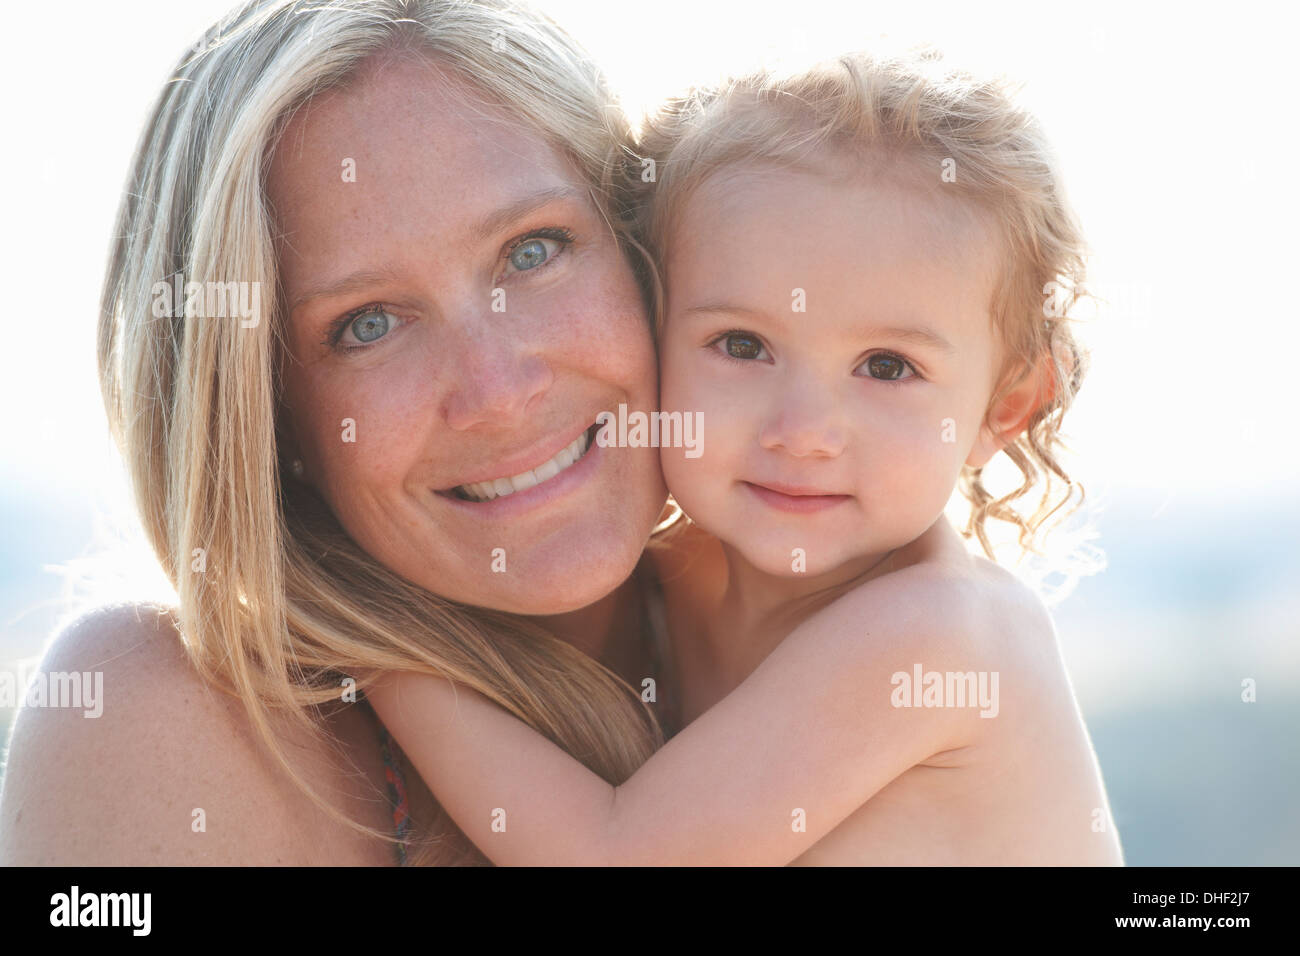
<point>683,381</point>
<point>677,394</point>
<point>700,478</point>
<point>943,451</point>
<point>907,460</point>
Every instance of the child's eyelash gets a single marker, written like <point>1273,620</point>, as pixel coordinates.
<point>726,335</point>
<point>896,382</point>
<point>750,335</point>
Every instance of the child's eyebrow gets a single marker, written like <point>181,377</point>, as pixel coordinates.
<point>726,309</point>
<point>917,334</point>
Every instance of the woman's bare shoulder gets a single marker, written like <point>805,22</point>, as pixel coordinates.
<point>170,771</point>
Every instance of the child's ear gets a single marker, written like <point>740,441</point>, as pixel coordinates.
<point>1011,415</point>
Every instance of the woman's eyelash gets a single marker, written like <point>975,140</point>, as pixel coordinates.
<point>336,329</point>
<point>559,234</point>
<point>338,326</point>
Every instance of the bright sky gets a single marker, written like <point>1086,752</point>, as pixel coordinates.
<point>1177,135</point>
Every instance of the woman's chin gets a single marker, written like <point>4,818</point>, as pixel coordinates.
<point>565,571</point>
<point>559,580</point>
<point>539,599</point>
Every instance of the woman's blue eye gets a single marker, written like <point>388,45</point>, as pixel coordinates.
<point>887,367</point>
<point>529,254</point>
<point>539,248</point>
<point>370,325</point>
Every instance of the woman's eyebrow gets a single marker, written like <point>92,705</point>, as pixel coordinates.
<point>487,227</point>
<point>352,282</point>
<point>494,222</point>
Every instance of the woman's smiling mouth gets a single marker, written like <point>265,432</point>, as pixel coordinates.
<point>501,487</point>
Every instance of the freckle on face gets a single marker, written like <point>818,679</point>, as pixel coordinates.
<point>454,387</point>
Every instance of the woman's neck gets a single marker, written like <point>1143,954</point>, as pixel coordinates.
<point>605,630</point>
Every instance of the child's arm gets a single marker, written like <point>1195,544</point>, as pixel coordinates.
<point>811,729</point>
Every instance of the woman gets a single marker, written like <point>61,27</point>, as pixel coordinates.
<point>425,198</point>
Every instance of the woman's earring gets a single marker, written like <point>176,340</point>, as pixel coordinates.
<point>296,467</point>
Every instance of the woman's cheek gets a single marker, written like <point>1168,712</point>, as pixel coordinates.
<point>371,430</point>
<point>599,319</point>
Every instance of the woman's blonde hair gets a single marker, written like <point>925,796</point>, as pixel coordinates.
<point>276,603</point>
<point>911,111</point>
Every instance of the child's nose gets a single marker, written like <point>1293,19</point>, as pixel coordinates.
<point>805,427</point>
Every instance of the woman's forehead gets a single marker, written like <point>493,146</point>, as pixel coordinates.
<point>408,122</point>
<point>397,156</point>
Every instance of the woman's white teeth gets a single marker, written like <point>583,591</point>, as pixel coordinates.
<point>500,487</point>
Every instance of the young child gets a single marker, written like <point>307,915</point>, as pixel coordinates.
<point>867,267</point>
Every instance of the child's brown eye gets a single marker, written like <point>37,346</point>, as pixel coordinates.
<point>887,367</point>
<point>748,347</point>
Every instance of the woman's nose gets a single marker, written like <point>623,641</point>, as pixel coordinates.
<point>805,423</point>
<point>495,377</point>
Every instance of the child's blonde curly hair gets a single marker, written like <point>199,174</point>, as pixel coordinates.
<point>937,118</point>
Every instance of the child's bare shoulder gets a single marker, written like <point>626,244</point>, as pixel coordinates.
<point>983,608</point>
<point>967,594</point>
<point>953,612</point>
<point>986,620</point>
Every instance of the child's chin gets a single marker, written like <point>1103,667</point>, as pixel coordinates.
<point>776,560</point>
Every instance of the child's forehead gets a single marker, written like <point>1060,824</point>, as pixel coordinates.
<point>886,199</point>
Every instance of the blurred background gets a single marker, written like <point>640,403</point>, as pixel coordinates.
<point>1178,141</point>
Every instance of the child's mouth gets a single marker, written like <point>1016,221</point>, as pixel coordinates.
<point>794,499</point>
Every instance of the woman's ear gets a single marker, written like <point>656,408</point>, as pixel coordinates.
<point>1011,414</point>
